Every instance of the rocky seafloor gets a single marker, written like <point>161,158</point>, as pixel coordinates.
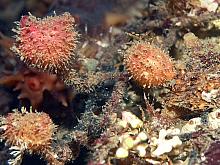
<point>161,108</point>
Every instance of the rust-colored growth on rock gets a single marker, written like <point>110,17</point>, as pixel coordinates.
<point>29,130</point>
<point>32,86</point>
<point>149,65</point>
<point>47,43</point>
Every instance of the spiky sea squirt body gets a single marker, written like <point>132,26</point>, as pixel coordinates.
<point>148,64</point>
<point>29,131</point>
<point>47,43</point>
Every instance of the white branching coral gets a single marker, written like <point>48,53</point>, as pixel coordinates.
<point>164,145</point>
<point>129,118</point>
<point>132,140</point>
<point>210,5</point>
<point>191,125</point>
<point>214,119</point>
<point>194,124</point>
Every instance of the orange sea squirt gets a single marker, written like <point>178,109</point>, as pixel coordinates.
<point>149,65</point>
